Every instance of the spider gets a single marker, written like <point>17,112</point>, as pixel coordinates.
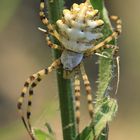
<point>79,34</point>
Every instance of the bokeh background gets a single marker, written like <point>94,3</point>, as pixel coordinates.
<point>23,51</point>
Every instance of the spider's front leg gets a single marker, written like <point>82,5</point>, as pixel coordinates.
<point>49,42</point>
<point>30,83</point>
<point>52,45</point>
<point>88,90</point>
<point>45,21</point>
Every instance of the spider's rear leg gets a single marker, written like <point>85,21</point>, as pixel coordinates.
<point>40,74</point>
<point>88,90</point>
<point>45,21</point>
<point>38,79</point>
<point>21,100</point>
<point>77,99</point>
<point>31,82</point>
<point>31,92</point>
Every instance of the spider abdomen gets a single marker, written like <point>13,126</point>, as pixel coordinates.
<point>78,27</point>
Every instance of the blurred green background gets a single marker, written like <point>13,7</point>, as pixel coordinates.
<point>23,51</point>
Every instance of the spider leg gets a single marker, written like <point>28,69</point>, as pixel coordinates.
<point>30,83</point>
<point>52,45</point>
<point>45,21</point>
<point>113,47</point>
<point>31,92</point>
<point>115,34</point>
<point>77,99</point>
<point>88,90</point>
<point>49,42</point>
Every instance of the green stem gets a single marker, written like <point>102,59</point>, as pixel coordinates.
<point>105,65</point>
<point>55,8</point>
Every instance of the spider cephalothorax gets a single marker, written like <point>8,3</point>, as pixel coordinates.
<point>77,32</point>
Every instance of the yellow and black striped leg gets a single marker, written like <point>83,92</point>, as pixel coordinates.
<point>114,35</point>
<point>45,21</point>
<point>77,99</point>
<point>118,23</point>
<point>88,90</point>
<point>52,45</point>
<point>30,84</point>
<point>31,92</point>
<point>21,100</point>
<point>40,76</point>
<point>49,42</point>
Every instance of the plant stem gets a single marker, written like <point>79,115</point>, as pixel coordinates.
<point>105,65</point>
<point>55,8</point>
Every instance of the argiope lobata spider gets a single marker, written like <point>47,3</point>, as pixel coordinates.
<point>77,31</point>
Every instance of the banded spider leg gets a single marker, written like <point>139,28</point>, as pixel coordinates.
<point>30,83</point>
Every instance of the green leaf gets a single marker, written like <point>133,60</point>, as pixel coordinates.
<point>41,135</point>
<point>97,4</point>
<point>105,65</point>
<point>86,134</point>
<point>104,113</point>
<point>105,107</point>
